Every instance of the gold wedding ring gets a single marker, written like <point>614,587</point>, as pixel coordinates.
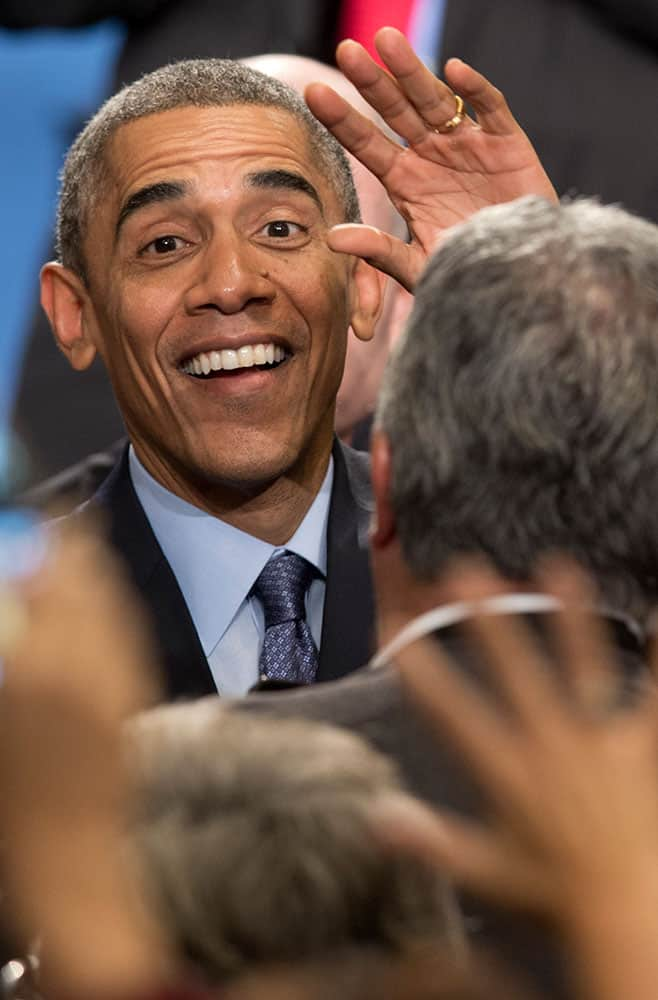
<point>456,119</point>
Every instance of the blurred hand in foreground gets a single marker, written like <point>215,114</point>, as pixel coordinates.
<point>570,773</point>
<point>440,177</point>
<point>79,665</point>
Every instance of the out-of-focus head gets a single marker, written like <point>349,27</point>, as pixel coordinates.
<point>364,362</point>
<point>518,411</point>
<point>192,231</point>
<point>257,840</point>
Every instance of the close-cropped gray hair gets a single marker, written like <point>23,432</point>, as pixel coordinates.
<point>199,83</point>
<point>521,402</point>
<point>257,841</point>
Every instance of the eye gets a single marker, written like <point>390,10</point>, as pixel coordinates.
<point>281,229</point>
<point>165,244</point>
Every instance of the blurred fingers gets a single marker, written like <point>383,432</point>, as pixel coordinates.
<point>584,651</point>
<point>476,857</point>
<point>506,646</point>
<point>455,708</point>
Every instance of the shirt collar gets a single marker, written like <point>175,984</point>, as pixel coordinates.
<point>447,615</point>
<point>215,564</point>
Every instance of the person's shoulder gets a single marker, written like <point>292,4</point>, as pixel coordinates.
<point>354,467</point>
<point>68,490</point>
<point>349,701</point>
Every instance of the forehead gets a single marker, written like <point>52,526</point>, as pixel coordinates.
<point>231,140</point>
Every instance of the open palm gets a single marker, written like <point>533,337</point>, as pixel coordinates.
<point>439,178</point>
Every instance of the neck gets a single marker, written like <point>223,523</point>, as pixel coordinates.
<point>271,511</point>
<point>401,597</point>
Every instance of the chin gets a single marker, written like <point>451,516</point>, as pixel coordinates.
<point>247,468</point>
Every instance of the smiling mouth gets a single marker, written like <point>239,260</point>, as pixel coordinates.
<point>213,364</point>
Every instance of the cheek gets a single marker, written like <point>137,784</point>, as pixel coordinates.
<point>327,305</point>
<point>137,319</point>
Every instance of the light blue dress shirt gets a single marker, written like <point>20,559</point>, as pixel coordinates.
<point>216,566</point>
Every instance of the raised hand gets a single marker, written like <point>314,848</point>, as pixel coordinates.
<point>443,175</point>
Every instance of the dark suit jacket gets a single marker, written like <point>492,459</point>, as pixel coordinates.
<point>347,630</point>
<point>582,80</point>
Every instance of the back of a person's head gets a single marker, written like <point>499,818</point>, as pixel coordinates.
<point>520,403</point>
<point>257,840</point>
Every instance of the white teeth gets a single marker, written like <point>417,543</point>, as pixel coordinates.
<point>230,360</point>
<point>245,357</point>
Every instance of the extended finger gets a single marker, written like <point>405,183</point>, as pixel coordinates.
<point>354,131</point>
<point>455,708</point>
<point>381,91</point>
<point>491,108</point>
<point>583,650</point>
<point>433,100</point>
<point>473,855</point>
<point>383,251</point>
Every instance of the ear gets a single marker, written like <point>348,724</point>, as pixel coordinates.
<point>383,530</point>
<point>65,300</point>
<point>367,298</point>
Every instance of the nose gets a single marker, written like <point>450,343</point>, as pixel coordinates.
<point>230,276</point>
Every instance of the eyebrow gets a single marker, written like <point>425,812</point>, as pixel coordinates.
<point>286,179</point>
<point>150,195</point>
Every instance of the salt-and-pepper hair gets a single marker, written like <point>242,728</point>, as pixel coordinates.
<point>258,842</point>
<point>522,402</point>
<point>201,83</point>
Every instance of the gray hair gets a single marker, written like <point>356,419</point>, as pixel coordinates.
<point>196,82</point>
<point>521,404</point>
<point>257,839</point>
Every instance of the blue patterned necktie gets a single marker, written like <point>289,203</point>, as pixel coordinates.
<point>289,652</point>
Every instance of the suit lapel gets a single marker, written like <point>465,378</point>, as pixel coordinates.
<point>348,623</point>
<point>186,673</point>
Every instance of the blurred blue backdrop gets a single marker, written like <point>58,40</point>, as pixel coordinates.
<point>50,81</point>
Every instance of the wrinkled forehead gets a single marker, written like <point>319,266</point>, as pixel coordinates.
<point>187,135</point>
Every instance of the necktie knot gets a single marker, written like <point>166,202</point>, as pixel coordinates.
<point>281,588</point>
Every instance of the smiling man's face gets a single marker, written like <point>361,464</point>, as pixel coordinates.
<point>213,299</point>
